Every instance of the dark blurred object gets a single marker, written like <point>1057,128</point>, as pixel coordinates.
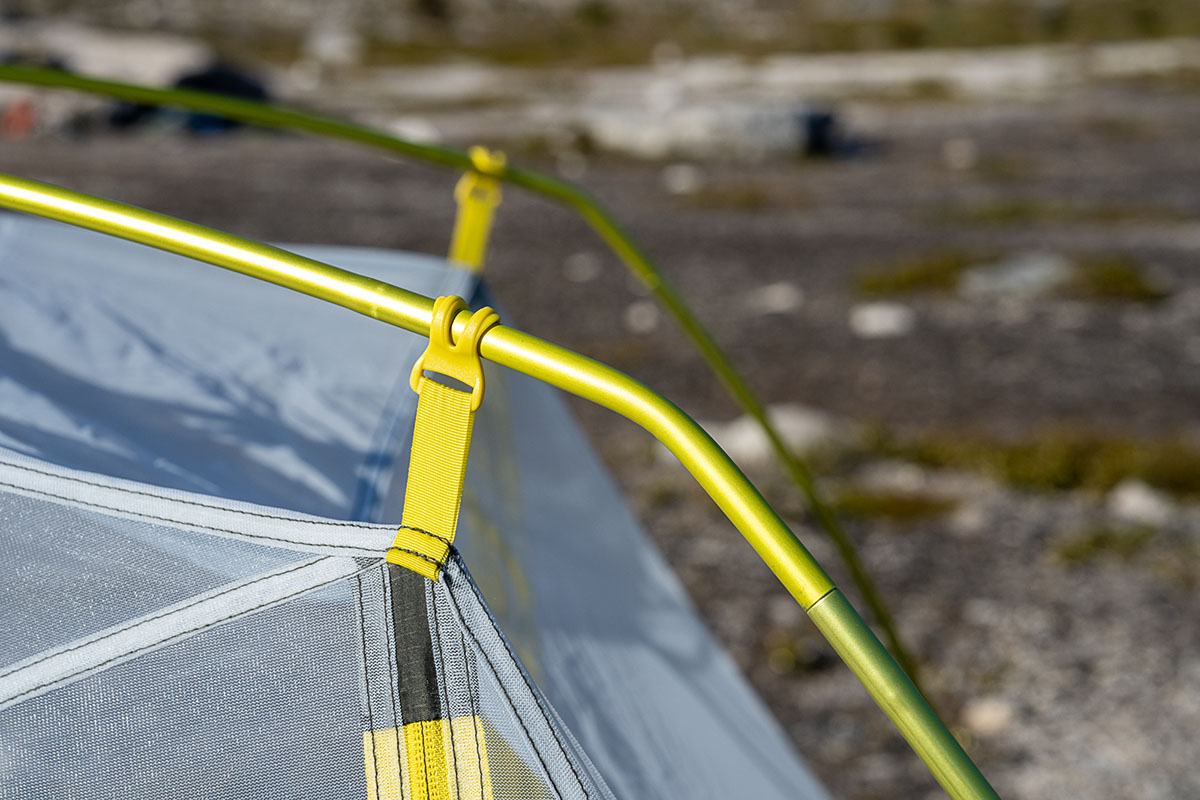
<point>821,135</point>
<point>820,132</point>
<point>17,59</point>
<point>217,78</point>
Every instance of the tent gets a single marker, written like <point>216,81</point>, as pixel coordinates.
<point>195,473</point>
<point>205,588</point>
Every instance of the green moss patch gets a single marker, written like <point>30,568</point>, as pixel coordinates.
<point>1113,278</point>
<point>867,502</point>
<point>938,271</point>
<point>1058,459</point>
<point>1086,546</point>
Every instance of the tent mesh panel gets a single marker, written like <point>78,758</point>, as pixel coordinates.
<point>147,658</point>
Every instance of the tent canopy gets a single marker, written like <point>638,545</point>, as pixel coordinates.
<point>197,479</point>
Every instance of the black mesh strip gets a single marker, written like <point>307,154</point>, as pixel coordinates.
<point>420,700</point>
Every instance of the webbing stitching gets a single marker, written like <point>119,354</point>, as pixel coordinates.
<point>158,616</point>
<point>362,625</point>
<point>197,629</point>
<point>504,690</point>
<point>185,523</point>
<point>441,539</point>
<point>439,564</point>
<point>537,701</point>
<point>425,761</point>
<point>210,506</point>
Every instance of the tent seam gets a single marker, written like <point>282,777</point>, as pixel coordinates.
<point>210,506</point>
<point>524,677</point>
<point>199,629</point>
<point>141,621</point>
<point>189,524</point>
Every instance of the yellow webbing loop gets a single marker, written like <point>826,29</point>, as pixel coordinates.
<point>441,438</point>
<point>477,194</point>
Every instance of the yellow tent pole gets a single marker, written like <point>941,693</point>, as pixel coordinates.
<point>722,480</point>
<point>591,210</point>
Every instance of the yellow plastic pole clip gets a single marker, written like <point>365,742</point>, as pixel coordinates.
<point>477,194</point>
<point>459,360</point>
<point>441,438</point>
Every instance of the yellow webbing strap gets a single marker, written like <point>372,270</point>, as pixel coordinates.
<point>477,194</point>
<point>441,438</point>
<point>443,759</point>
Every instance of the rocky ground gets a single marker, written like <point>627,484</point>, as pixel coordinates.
<point>984,326</point>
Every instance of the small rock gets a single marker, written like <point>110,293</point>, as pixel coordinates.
<point>960,153</point>
<point>881,320</point>
<point>1134,501</point>
<point>682,179</point>
<point>1026,275</point>
<point>803,429</point>
<point>969,519</point>
<point>415,129</point>
<point>582,267</point>
<point>782,297</point>
<point>988,716</point>
<point>333,43</point>
<point>641,316</point>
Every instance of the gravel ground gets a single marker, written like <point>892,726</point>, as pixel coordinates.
<point>1064,675</point>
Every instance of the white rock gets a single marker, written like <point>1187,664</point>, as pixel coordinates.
<point>582,267</point>
<point>1025,275</point>
<point>881,320</point>
<point>333,43</point>
<point>682,179</point>
<point>416,129</point>
<point>803,429</point>
<point>988,716</point>
<point>1134,501</point>
<point>782,297</point>
<point>641,316</point>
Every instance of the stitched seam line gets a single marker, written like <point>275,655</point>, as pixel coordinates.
<point>331,523</point>
<point>189,631</point>
<point>439,564</point>
<point>158,616</point>
<point>186,524</point>
<point>445,679</point>
<point>441,539</point>
<point>362,624</point>
<point>504,690</point>
<point>476,712</point>
<point>390,642</point>
<point>537,700</point>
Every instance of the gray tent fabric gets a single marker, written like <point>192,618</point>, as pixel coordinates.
<point>163,403</point>
<point>226,650</point>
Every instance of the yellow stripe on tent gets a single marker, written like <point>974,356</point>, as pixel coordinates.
<point>442,760</point>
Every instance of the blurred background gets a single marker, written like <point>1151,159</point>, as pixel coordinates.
<point>953,243</point>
